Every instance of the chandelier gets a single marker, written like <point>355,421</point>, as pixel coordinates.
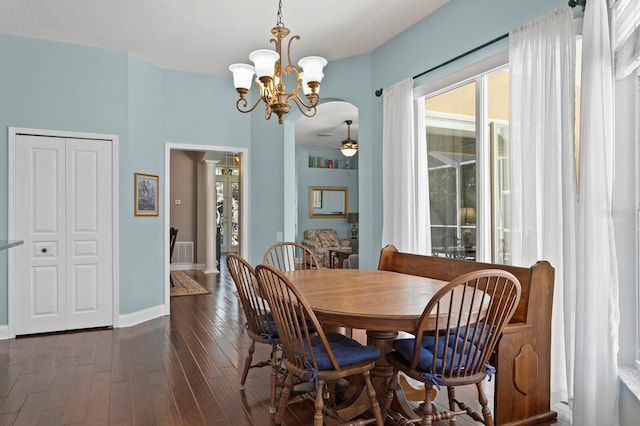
<point>268,70</point>
<point>349,146</point>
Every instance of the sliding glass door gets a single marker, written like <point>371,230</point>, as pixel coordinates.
<point>467,129</point>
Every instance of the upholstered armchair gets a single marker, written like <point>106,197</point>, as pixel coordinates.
<point>321,240</point>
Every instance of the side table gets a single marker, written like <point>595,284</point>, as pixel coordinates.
<point>337,256</point>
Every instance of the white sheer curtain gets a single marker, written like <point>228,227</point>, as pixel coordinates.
<point>405,195</point>
<point>626,36</point>
<point>542,70</point>
<point>597,312</point>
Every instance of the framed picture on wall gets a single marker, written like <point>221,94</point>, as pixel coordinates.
<point>145,195</point>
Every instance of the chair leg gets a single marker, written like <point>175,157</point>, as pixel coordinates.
<point>451,391</point>
<point>427,408</point>
<point>371,393</point>
<point>274,378</point>
<point>284,398</point>
<point>482,397</point>
<point>247,364</point>
<point>318,418</point>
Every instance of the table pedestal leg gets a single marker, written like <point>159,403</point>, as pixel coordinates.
<point>382,372</point>
<point>380,376</point>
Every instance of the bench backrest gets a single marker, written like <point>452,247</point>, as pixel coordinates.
<point>541,274</point>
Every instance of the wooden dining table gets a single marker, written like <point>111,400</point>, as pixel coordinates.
<point>380,302</point>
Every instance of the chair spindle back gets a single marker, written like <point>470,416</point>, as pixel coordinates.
<point>471,313</point>
<point>289,256</point>
<point>254,305</point>
<point>295,320</point>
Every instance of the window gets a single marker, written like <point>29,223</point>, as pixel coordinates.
<point>467,131</point>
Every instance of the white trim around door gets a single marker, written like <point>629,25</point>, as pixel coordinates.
<point>13,134</point>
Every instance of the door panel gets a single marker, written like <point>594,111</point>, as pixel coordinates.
<point>89,219</point>
<point>85,289</point>
<point>45,288</point>
<point>64,216</point>
<point>40,272</point>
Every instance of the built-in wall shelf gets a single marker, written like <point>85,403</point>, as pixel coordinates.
<point>329,163</point>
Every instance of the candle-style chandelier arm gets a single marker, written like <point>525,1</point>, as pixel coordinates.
<point>289,51</point>
<point>241,104</point>
<point>302,106</point>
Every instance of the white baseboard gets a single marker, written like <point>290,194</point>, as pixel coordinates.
<point>182,267</point>
<point>126,320</point>
<point>135,318</point>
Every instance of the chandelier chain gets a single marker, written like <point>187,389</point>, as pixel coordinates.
<point>279,18</point>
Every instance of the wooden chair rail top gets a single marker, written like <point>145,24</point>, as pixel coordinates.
<point>368,299</point>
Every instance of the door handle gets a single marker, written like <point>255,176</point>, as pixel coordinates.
<point>44,250</point>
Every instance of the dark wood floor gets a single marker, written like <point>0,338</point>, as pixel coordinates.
<point>182,369</point>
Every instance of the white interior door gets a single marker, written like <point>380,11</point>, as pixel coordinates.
<point>63,273</point>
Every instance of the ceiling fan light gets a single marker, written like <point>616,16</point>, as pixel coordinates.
<point>348,149</point>
<point>312,67</point>
<point>242,75</point>
<point>264,61</point>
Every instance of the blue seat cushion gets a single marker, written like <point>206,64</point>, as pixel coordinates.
<point>428,347</point>
<point>480,338</point>
<point>268,323</point>
<point>347,351</point>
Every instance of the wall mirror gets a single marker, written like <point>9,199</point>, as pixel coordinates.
<point>327,201</point>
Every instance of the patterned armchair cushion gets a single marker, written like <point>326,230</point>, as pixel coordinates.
<point>321,240</point>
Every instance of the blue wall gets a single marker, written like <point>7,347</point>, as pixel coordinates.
<point>59,86</point>
<point>309,176</point>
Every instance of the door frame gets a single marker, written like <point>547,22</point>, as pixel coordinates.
<point>244,202</point>
<point>13,133</point>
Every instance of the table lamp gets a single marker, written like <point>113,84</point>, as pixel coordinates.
<point>467,215</point>
<point>352,218</point>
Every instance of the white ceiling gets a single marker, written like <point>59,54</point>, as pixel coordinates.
<point>206,36</point>
<point>327,129</point>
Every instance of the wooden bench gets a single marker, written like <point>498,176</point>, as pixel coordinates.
<point>523,356</point>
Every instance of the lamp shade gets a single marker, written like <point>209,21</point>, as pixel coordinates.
<point>467,215</point>
<point>305,86</point>
<point>312,67</point>
<point>242,74</point>
<point>352,218</point>
<point>349,149</point>
<point>264,61</point>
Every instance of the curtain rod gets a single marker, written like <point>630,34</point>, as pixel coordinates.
<point>572,3</point>
<point>469,52</point>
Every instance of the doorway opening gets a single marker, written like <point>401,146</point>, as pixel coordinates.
<point>205,191</point>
